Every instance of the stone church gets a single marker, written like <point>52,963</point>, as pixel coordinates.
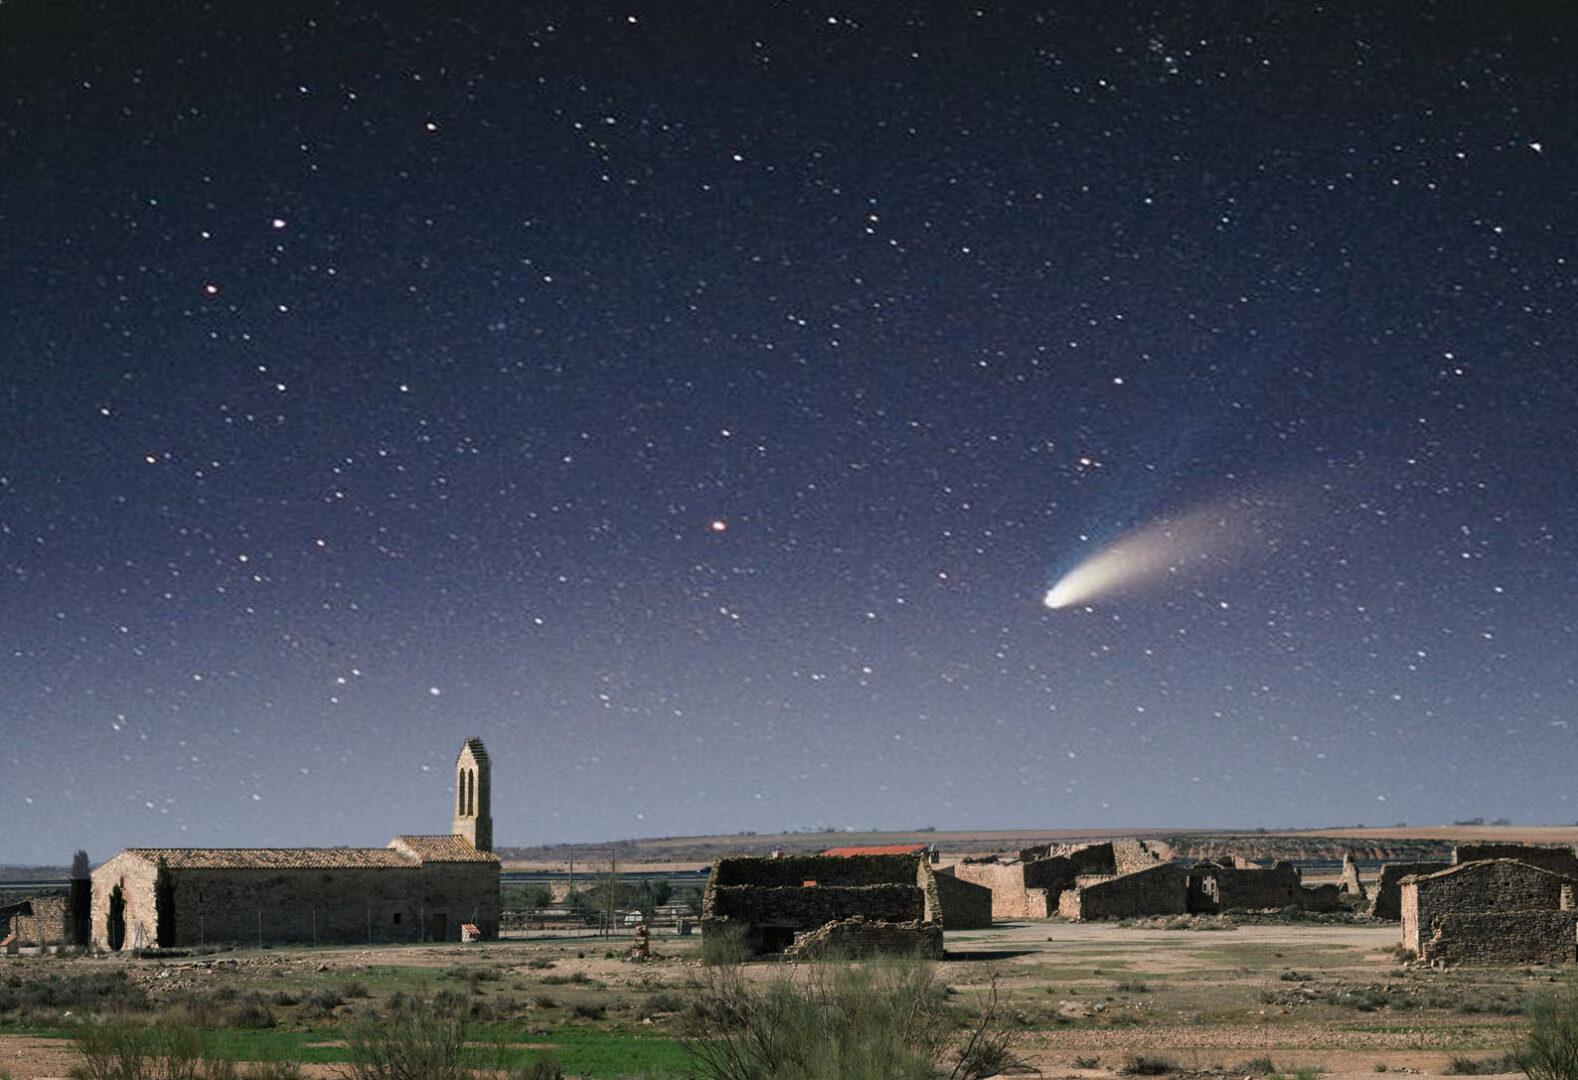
<point>418,888</point>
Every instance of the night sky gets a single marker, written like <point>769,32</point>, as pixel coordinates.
<point>697,401</point>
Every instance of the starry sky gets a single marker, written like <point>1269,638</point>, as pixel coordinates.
<point>697,401</point>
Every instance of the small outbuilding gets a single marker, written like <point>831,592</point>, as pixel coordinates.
<point>1494,910</point>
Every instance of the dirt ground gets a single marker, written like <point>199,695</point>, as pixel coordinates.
<point>1164,985</point>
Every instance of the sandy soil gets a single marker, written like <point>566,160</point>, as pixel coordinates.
<point>1010,952</point>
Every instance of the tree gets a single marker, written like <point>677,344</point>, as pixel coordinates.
<point>79,902</point>
<point>115,925</point>
<point>652,894</point>
<point>164,905</point>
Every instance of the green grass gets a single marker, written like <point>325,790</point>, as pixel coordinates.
<point>582,1052</point>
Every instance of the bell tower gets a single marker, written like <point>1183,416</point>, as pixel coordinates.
<point>473,796</point>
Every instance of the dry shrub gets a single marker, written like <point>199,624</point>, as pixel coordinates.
<point>883,1020</point>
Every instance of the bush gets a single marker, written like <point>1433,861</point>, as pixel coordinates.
<point>724,944</point>
<point>1458,1065</point>
<point>251,1012</point>
<point>117,1052</point>
<point>885,1019</point>
<point>426,1041</point>
<point>320,1003</point>
<point>1146,1065</point>
<point>658,1004</point>
<point>1550,1050</point>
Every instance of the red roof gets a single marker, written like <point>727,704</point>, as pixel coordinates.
<point>888,849</point>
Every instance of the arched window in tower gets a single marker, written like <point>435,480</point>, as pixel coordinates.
<point>471,792</point>
<point>460,793</point>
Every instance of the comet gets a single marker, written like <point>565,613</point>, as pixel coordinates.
<point>1167,550</point>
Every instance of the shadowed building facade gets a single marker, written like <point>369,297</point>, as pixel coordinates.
<point>417,888</point>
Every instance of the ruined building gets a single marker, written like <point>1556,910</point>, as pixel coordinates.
<point>1162,889</point>
<point>854,904</point>
<point>1128,880</point>
<point>1558,859</point>
<point>1387,900</point>
<point>1350,884</point>
<point>1492,910</point>
<point>1028,887</point>
<point>418,888</point>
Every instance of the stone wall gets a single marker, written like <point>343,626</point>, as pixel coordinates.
<point>775,900</point>
<point>1495,886</point>
<point>1132,855</point>
<point>45,928</point>
<point>857,937</point>
<point>1029,888</point>
<point>823,869</point>
<point>965,905</point>
<point>1558,860</point>
<point>1512,937</point>
<point>1326,897</point>
<point>1387,902</point>
<point>302,905</point>
<point>1350,883</point>
<point>1011,898</point>
<point>1214,889</point>
<point>1160,890</point>
<point>808,907</point>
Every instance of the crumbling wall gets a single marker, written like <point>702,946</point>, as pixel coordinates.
<point>965,905</point>
<point>808,907</point>
<point>1387,901</point>
<point>1495,886</point>
<point>773,900</point>
<point>1011,897</point>
<point>823,869</point>
<point>1556,859</point>
<point>1504,937</point>
<point>1350,883</point>
<point>1132,855</point>
<point>1214,889</point>
<point>856,937</point>
<point>1029,888</point>
<point>1160,890</point>
<point>44,928</point>
<point>1326,897</point>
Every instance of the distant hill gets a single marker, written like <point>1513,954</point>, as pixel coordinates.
<point>1394,844</point>
<point>34,873</point>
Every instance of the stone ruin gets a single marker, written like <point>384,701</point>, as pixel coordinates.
<point>1558,860</point>
<point>37,922</point>
<point>855,904</point>
<point>1387,901</point>
<point>1127,879</point>
<point>1350,885</point>
<point>1492,910</point>
<point>1028,886</point>
<point>1162,889</point>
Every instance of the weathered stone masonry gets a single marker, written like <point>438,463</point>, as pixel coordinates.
<point>1558,860</point>
<point>896,900</point>
<point>1497,909</point>
<point>417,888</point>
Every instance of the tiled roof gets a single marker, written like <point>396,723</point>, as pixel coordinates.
<point>441,849</point>
<point>889,849</point>
<point>274,858</point>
